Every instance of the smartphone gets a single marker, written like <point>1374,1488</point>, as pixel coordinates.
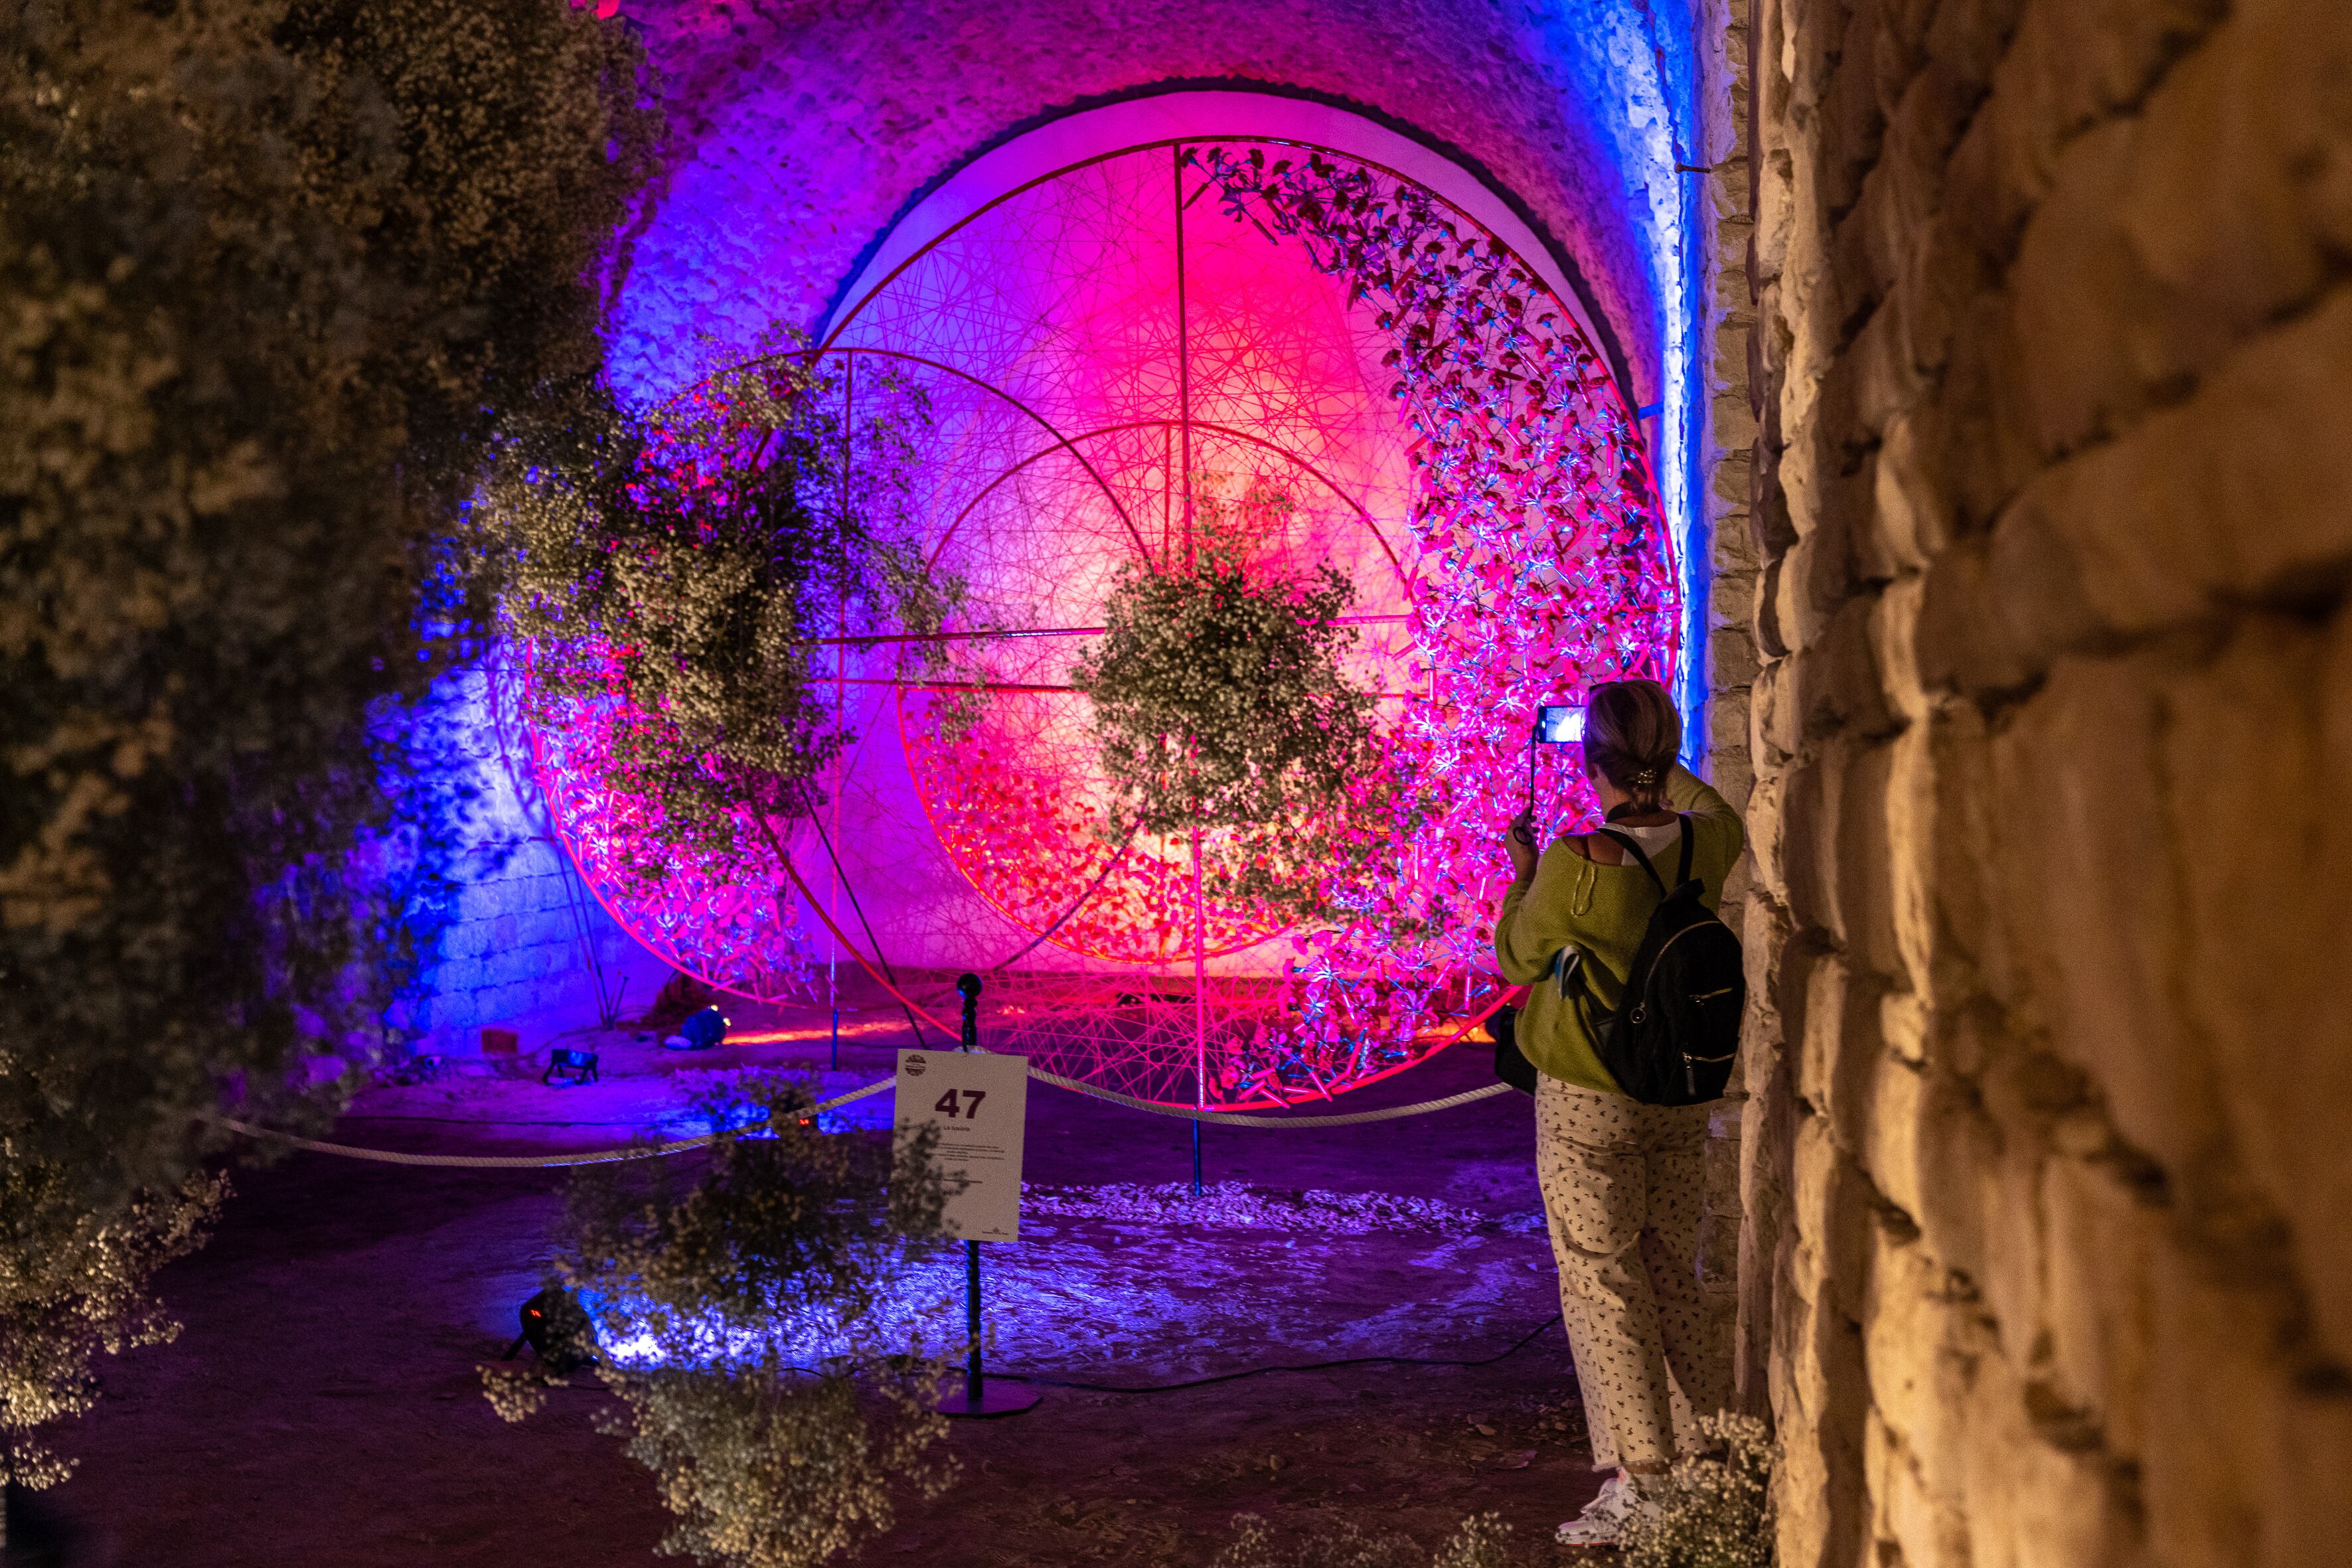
<point>1560,724</point>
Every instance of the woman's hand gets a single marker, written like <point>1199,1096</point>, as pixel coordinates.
<point>1521,842</point>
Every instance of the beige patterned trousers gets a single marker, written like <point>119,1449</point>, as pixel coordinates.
<point>1623,1186</point>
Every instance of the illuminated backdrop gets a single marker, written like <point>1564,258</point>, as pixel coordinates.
<point>1112,341</point>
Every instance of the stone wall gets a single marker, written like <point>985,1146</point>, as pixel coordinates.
<point>1721,231</point>
<point>2049,1151</point>
<point>524,946</point>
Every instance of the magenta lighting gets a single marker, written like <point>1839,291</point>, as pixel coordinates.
<point>1111,331</point>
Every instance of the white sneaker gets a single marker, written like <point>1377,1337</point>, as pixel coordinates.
<point>1605,1519</point>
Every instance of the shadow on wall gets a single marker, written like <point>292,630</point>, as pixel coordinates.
<point>520,943</point>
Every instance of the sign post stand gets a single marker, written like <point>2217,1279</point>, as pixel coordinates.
<point>979,1103</point>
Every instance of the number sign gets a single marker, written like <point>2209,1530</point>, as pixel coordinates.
<point>978,1101</point>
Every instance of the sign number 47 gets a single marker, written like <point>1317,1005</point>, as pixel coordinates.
<point>947,1105</point>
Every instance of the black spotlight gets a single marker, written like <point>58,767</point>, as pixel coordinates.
<point>562,1061</point>
<point>557,1332</point>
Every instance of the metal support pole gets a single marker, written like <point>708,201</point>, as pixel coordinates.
<point>969,986</point>
<point>972,1381</point>
<point>836,1039</point>
<point>1196,1157</point>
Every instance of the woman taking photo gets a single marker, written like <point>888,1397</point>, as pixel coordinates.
<point>1623,1181</point>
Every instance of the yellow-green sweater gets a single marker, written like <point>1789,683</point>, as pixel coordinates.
<point>1569,900</point>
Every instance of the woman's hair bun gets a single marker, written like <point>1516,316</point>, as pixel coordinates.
<point>1631,735</point>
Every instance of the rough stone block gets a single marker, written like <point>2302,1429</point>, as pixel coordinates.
<point>1731,596</point>
<point>1763,816</point>
<point>2258,743</point>
<point>458,976</point>
<point>2149,517</point>
<point>1940,855</point>
<point>1764,931</point>
<point>1730,657</point>
<point>2082,815</point>
<point>1851,119</point>
<point>2076,266</point>
<point>1996,177</point>
<point>1834,686</point>
<point>2306,1496</point>
<point>1821,1054</point>
<point>2106,1237</point>
<point>1815,577</point>
<point>1958,1151</point>
<point>1911,514</point>
<point>1999,611</point>
<point>2073,63</point>
<point>2215,1388</point>
<point>1806,840</point>
<point>1890,1119</point>
<point>1917,1357</point>
<point>1969,39</point>
<point>1863,914</point>
<point>1903,191</point>
<point>1820,1390</point>
<point>2263,99</point>
<point>1830,1203</point>
<point>1775,728</point>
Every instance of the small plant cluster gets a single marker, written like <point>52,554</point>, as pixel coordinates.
<point>84,1291</point>
<point>670,571</point>
<point>1716,1510</point>
<point>738,1316</point>
<point>1221,704</point>
<point>1483,1542</point>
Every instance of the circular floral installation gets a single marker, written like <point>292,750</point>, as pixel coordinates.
<point>1110,361</point>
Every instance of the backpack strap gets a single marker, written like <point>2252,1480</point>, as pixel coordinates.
<point>1631,847</point>
<point>1626,842</point>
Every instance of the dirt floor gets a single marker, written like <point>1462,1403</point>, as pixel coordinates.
<point>323,1405</point>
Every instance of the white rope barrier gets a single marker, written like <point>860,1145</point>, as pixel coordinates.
<point>648,1151</point>
<point>1243,1118</point>
<point>517,1162</point>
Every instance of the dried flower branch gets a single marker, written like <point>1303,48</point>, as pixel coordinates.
<point>668,571</point>
<point>1483,1542</point>
<point>743,1320</point>
<point>1717,1511</point>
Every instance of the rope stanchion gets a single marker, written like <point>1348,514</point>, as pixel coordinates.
<point>647,1151</point>
<point>515,1162</point>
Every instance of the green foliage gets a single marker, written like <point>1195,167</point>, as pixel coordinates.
<point>786,1235</point>
<point>272,272</point>
<point>669,569</point>
<point>1714,1512</point>
<point>1220,703</point>
<point>1483,1542</point>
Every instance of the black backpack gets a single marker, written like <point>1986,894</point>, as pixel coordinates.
<point>1673,1036</point>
